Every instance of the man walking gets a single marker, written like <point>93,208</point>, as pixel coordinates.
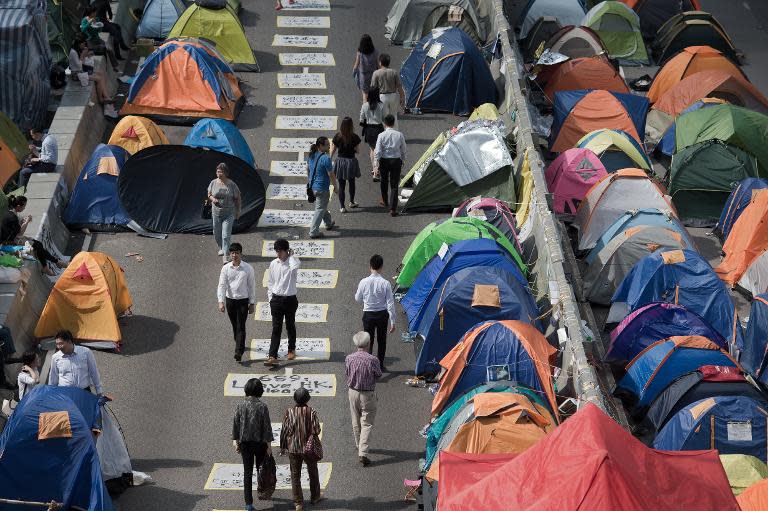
<point>237,294</point>
<point>43,159</point>
<point>73,366</point>
<point>375,293</point>
<point>281,291</point>
<point>362,370</point>
<point>390,87</point>
<point>389,155</point>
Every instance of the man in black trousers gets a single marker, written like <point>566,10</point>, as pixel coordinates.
<point>389,155</point>
<point>237,294</point>
<point>375,292</point>
<point>281,291</point>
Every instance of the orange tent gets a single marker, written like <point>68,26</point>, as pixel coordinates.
<point>747,240</point>
<point>134,133</point>
<point>754,498</point>
<point>500,422</point>
<point>692,59</point>
<point>582,73</point>
<point>87,299</point>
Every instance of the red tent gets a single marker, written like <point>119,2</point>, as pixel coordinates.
<point>591,463</point>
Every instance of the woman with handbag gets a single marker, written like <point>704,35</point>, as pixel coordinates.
<point>224,197</point>
<point>320,176</point>
<point>299,437</point>
<point>372,121</point>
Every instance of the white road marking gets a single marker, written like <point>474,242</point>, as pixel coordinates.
<point>307,122</point>
<point>300,41</point>
<point>307,59</point>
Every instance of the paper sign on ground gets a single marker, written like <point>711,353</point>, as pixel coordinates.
<point>303,22</point>
<point>290,145</point>
<point>277,427</point>
<point>307,312</point>
<point>290,168</point>
<point>300,41</point>
<point>327,101</point>
<point>307,122</point>
<point>313,249</point>
<point>312,279</point>
<point>306,59</point>
<point>301,80</point>
<point>307,5</point>
<point>307,348</point>
<point>285,218</point>
<point>229,476</point>
<point>282,191</point>
<point>282,385</point>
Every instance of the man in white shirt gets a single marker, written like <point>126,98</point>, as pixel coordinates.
<point>237,294</point>
<point>375,293</point>
<point>43,159</point>
<point>281,291</point>
<point>389,155</point>
<point>73,366</point>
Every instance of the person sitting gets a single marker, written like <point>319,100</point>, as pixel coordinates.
<point>90,26</point>
<point>12,230</point>
<point>29,376</point>
<point>78,56</point>
<point>104,15</point>
<point>42,159</point>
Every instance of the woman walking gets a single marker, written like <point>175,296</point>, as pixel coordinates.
<point>372,121</point>
<point>366,62</point>
<point>300,423</point>
<point>224,196</point>
<point>345,145</point>
<point>252,435</point>
<point>320,176</point>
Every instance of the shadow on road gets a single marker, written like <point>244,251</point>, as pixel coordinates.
<point>150,465</point>
<point>155,498</point>
<point>144,334</point>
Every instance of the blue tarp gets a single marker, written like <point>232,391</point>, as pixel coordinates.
<point>730,424</point>
<point>460,255</point>
<point>221,135</point>
<point>449,313</point>
<point>667,143</point>
<point>94,202</point>
<point>754,356</point>
<point>66,470</point>
<point>737,203</point>
<point>158,18</point>
<point>614,160</point>
<point>446,72</point>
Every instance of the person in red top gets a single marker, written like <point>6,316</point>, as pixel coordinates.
<point>362,370</point>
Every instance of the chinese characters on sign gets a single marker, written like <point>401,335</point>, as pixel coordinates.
<point>285,218</point>
<point>315,249</point>
<point>301,80</point>
<point>320,385</point>
<point>301,41</point>
<point>229,476</point>
<point>307,312</point>
<point>306,101</point>
<point>306,59</point>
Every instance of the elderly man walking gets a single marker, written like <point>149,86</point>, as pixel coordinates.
<point>362,370</point>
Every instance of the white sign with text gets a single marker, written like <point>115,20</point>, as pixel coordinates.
<point>313,249</point>
<point>300,41</point>
<point>303,22</point>
<point>312,278</point>
<point>306,313</point>
<point>291,168</point>
<point>285,218</point>
<point>307,348</point>
<point>307,122</point>
<point>301,80</point>
<point>290,145</point>
<point>306,59</point>
<point>281,191</point>
<point>229,476</point>
<point>316,101</point>
<point>282,385</point>
<point>307,5</point>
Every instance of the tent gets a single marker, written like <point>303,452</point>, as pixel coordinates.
<point>612,196</point>
<point>494,211</point>
<point>743,471</point>
<point>702,383</point>
<point>581,73</point>
<point>49,451</point>
<point>467,297</point>
<point>182,81</point>
<point>616,150</point>
<point>472,160</point>
<point>445,232</point>
<point>63,26</point>
<point>134,133</point>
<point>658,125</point>
<point>222,136</point>
<point>459,255</point>
<point>609,267</point>
<point>494,423</point>
<point>653,13</point>
<point>754,356</point>
<point>661,363</point>
<point>541,31</point>
<point>579,112</point>
<point>13,149</point>
<point>591,463</point>
<point>754,497</point>
<point>619,28</point>
<point>570,177</point>
<point>86,300</point>
<point>730,424</point>
<point>576,41</point>
<point>94,203</point>
<point>158,18</point>
<point>523,350</point>
<point>653,322</point>
<point>737,201</point>
<point>446,72</point>
<point>692,28</point>
<point>222,27</point>
<point>689,61</point>
<point>566,12</point>
<point>680,277</point>
<point>410,20</point>
<point>180,175</point>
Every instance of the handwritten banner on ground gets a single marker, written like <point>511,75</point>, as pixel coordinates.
<point>307,5</point>
<point>277,427</point>
<point>301,80</point>
<point>327,101</point>
<point>282,385</point>
<point>306,59</point>
<point>285,218</point>
<point>312,279</point>
<point>307,348</point>
<point>290,145</point>
<point>303,22</point>
<point>307,122</point>
<point>313,249</point>
<point>289,168</point>
<point>281,191</point>
<point>229,476</point>
<point>307,312</point>
<point>300,41</point>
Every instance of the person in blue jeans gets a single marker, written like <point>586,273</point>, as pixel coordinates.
<point>224,195</point>
<point>320,176</point>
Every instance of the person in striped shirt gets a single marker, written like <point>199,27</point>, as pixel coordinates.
<point>362,370</point>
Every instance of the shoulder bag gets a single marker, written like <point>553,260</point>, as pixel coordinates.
<point>313,449</point>
<point>205,212</point>
<point>310,191</point>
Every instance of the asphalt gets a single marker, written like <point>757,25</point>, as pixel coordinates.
<point>177,349</point>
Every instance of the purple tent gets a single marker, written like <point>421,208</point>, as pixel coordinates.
<point>570,177</point>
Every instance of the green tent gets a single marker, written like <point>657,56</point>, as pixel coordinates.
<point>13,138</point>
<point>618,27</point>
<point>743,471</point>
<point>63,26</point>
<point>429,241</point>
<point>223,28</point>
<point>734,125</point>
<point>702,177</point>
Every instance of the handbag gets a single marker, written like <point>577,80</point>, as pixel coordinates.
<point>266,480</point>
<point>313,449</point>
<point>205,212</point>
<point>310,192</point>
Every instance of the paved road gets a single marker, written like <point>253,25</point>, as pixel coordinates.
<point>177,353</point>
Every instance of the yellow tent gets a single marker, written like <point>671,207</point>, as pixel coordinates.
<point>87,299</point>
<point>743,471</point>
<point>134,133</point>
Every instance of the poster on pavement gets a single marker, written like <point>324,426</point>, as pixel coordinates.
<point>282,191</point>
<point>229,476</point>
<point>301,80</point>
<point>285,218</point>
<point>303,22</point>
<point>300,41</point>
<point>308,101</point>
<point>307,5</point>
<point>290,145</point>
<point>306,122</point>
<point>307,312</point>
<point>306,59</point>
<point>307,348</point>
<point>282,385</point>
<point>311,278</point>
<point>288,168</point>
<point>313,249</point>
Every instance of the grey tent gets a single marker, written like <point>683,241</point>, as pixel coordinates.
<point>410,20</point>
<point>567,12</point>
<point>25,62</point>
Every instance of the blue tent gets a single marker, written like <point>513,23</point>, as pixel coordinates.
<point>221,135</point>
<point>678,276</point>
<point>754,355</point>
<point>651,216</point>
<point>667,143</point>
<point>158,18</point>
<point>468,297</point>
<point>612,159</point>
<point>446,72</point>
<point>61,468</point>
<point>664,361</point>
<point>94,202</point>
<point>460,255</point>
<point>730,424</point>
<point>653,322</point>
<point>736,203</point>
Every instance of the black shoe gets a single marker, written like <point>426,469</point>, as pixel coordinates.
<point>364,461</point>
<point>238,356</point>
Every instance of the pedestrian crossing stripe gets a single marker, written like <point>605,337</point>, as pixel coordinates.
<point>277,427</point>
<point>288,168</point>
<point>283,191</point>
<point>290,145</point>
<point>229,476</point>
<point>307,122</point>
<point>300,41</point>
<point>307,348</point>
<point>306,101</point>
<point>303,22</point>
<point>306,59</point>
<point>311,278</point>
<point>306,313</point>
<point>310,249</point>
<point>301,80</point>
<point>282,385</point>
<point>285,218</point>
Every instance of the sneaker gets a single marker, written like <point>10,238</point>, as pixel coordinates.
<point>353,204</point>
<point>299,507</point>
<point>364,461</point>
<point>317,235</point>
<point>221,252</point>
<point>330,227</point>
<point>109,111</point>
<point>291,355</point>
<point>343,210</point>
<point>271,361</point>
<point>318,498</point>
<point>238,357</point>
